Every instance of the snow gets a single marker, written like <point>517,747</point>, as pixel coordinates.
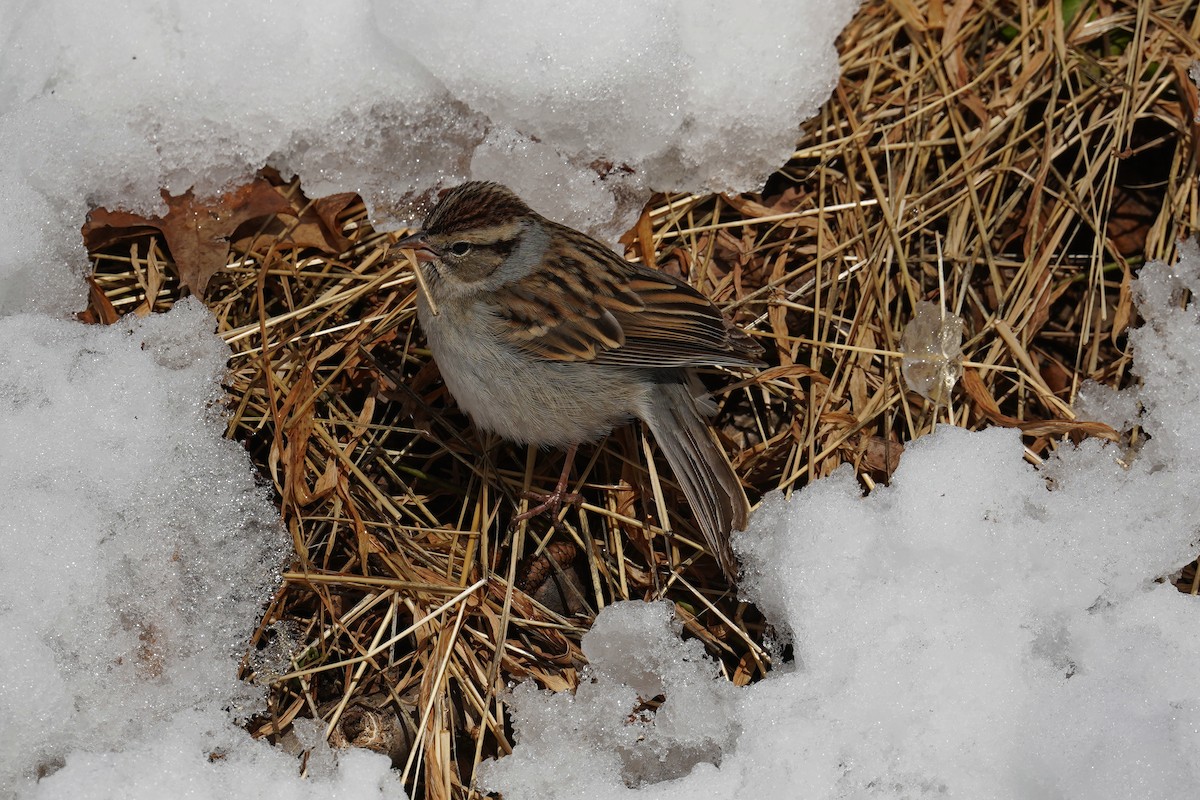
<point>106,106</point>
<point>139,548</point>
<point>979,628</point>
<point>201,754</point>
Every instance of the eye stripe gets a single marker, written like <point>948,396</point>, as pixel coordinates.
<point>491,234</point>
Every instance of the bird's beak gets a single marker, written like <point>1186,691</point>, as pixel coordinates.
<point>421,248</point>
<point>424,253</point>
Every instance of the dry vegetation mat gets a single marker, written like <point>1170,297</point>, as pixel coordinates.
<point>1012,163</point>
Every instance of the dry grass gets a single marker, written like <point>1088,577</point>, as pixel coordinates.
<point>1011,165</point>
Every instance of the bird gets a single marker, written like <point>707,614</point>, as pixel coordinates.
<point>548,337</point>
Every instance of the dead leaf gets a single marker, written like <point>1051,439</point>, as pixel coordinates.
<point>315,228</point>
<point>756,210</point>
<point>745,671</point>
<point>1187,89</point>
<point>1133,213</point>
<point>1124,310</point>
<point>327,210</point>
<point>100,309</point>
<point>791,371</point>
<point>640,240</point>
<point>747,207</point>
<point>298,422</point>
<point>197,233</point>
<point>778,314</point>
<point>879,455</point>
<point>986,404</point>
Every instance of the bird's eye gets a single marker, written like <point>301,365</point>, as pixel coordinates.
<point>460,248</point>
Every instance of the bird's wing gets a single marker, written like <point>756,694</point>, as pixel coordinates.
<point>623,314</point>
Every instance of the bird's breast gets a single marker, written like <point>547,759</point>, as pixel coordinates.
<point>522,398</point>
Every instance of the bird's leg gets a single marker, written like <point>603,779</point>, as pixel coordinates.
<point>552,502</point>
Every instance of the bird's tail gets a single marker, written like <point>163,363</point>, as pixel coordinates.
<point>676,419</point>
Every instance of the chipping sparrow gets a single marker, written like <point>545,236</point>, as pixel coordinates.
<point>547,337</point>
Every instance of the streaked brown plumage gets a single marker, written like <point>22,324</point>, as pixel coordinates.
<point>546,336</point>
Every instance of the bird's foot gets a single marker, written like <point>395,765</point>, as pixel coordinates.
<point>552,502</point>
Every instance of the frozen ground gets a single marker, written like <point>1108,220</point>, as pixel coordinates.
<point>101,105</point>
<point>977,629</point>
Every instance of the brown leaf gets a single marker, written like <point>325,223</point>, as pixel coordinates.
<point>747,207</point>
<point>1133,213</point>
<point>753,209</point>
<point>791,371</point>
<point>296,435</point>
<point>315,226</point>
<point>786,201</point>
<point>882,455</point>
<point>974,387</point>
<point>779,314</point>
<point>1124,311</point>
<point>977,391</point>
<point>299,422</point>
<point>746,669</point>
<point>1187,89</point>
<point>730,250</point>
<point>879,455</point>
<point>104,227</point>
<point>100,309</point>
<point>197,233</point>
<point>327,210</point>
<point>1056,375</point>
<point>638,241</point>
